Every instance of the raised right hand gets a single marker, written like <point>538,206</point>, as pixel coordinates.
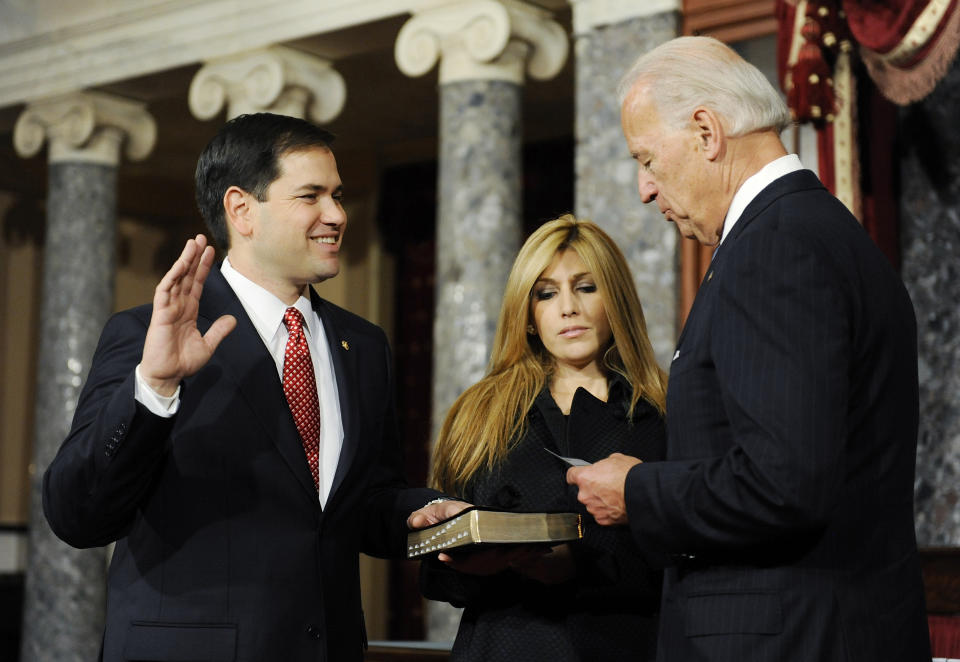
<point>174,348</point>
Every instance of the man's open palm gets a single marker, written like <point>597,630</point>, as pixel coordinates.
<point>174,347</point>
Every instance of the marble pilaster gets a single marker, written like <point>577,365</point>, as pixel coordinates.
<point>485,48</point>
<point>65,587</point>
<point>276,79</point>
<point>606,183</point>
<point>930,238</point>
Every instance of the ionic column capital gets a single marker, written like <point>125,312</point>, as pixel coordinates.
<point>275,79</point>
<point>86,126</point>
<point>482,39</point>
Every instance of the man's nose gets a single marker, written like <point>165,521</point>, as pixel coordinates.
<point>334,214</point>
<point>647,187</point>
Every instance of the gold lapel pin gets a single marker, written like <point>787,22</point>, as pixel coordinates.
<point>709,276</point>
<point>345,344</point>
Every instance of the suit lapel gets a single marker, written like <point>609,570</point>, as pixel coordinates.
<point>345,368</point>
<point>798,180</point>
<point>697,302</point>
<point>246,361</point>
<point>795,181</point>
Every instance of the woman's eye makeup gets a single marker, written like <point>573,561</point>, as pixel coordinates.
<point>547,292</point>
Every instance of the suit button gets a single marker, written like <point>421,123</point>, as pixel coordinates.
<point>313,631</point>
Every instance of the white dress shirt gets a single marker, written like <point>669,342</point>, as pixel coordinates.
<point>756,183</point>
<point>266,312</point>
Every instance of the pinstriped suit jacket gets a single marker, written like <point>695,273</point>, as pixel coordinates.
<point>787,498</point>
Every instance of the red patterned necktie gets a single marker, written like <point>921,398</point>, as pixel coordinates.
<point>300,387</point>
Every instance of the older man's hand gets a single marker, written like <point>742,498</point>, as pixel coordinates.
<point>601,487</point>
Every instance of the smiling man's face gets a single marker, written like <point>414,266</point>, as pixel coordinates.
<point>296,232</point>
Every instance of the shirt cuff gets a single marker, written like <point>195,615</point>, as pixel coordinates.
<point>160,405</point>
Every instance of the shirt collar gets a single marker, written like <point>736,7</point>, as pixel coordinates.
<point>264,308</point>
<point>756,183</point>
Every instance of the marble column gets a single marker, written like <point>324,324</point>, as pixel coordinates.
<point>276,79</point>
<point>65,587</point>
<point>930,238</point>
<point>609,35</point>
<point>478,229</point>
<point>484,48</point>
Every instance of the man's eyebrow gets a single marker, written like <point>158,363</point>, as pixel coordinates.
<point>316,188</point>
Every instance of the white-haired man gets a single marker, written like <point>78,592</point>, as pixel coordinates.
<point>786,502</point>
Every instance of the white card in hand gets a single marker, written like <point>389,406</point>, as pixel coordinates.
<point>572,461</point>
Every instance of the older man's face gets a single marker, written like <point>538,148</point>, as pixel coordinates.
<point>672,169</point>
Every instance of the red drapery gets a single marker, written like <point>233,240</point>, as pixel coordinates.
<point>944,636</point>
<point>843,64</point>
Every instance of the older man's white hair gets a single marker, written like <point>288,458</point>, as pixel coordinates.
<point>687,72</point>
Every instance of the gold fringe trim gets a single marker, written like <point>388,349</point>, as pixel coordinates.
<point>905,86</point>
<point>919,33</point>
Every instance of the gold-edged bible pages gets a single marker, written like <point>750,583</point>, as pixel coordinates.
<point>479,526</point>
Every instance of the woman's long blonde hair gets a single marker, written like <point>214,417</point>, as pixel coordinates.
<point>485,419</point>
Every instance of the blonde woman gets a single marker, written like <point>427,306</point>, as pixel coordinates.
<point>572,371</point>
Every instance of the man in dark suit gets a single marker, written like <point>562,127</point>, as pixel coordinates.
<point>237,438</point>
<point>786,503</point>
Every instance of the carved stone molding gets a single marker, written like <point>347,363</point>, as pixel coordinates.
<point>50,48</point>
<point>482,39</point>
<point>86,126</point>
<point>276,79</point>
<point>591,14</point>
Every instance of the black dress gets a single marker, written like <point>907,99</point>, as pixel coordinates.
<point>607,612</point>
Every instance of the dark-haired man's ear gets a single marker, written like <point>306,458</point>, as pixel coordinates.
<point>238,208</point>
<point>710,134</point>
